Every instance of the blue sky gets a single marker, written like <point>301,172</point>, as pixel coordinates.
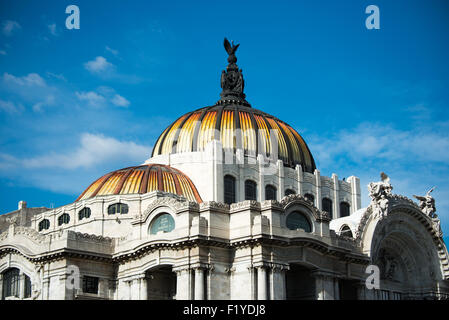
<point>75,104</point>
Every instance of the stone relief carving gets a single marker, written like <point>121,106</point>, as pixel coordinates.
<point>379,193</point>
<point>388,265</point>
<point>31,233</point>
<point>174,202</point>
<point>427,206</point>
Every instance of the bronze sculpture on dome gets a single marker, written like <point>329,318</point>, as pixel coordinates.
<point>232,81</point>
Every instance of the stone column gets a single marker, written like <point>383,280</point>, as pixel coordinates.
<point>336,289</point>
<point>300,178</point>
<point>1,286</point>
<point>21,285</point>
<point>277,283</point>
<point>336,202</point>
<point>143,288</point>
<point>45,289</point>
<point>199,283</point>
<point>261,283</point>
<point>318,189</point>
<point>183,284</point>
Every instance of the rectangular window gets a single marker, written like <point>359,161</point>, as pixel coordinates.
<point>90,284</point>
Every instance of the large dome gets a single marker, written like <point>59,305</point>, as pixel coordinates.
<point>143,179</point>
<point>237,127</point>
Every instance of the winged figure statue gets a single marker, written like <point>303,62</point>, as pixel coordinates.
<point>231,49</point>
<point>427,203</point>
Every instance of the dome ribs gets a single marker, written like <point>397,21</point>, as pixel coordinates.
<point>255,127</point>
<point>176,180</point>
<point>236,127</point>
<point>218,124</point>
<point>160,142</point>
<point>121,182</point>
<point>303,162</point>
<point>160,182</point>
<point>143,179</point>
<point>238,131</point>
<point>282,141</point>
<point>197,128</point>
<point>144,182</point>
<point>178,132</point>
<point>102,183</point>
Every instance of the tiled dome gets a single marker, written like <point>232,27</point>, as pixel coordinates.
<point>142,179</point>
<point>237,127</point>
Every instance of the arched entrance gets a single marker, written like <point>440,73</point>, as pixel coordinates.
<point>300,284</point>
<point>405,252</point>
<point>161,283</point>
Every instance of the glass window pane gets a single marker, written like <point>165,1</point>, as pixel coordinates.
<point>250,190</point>
<point>297,220</point>
<point>344,209</point>
<point>270,192</point>
<point>229,189</point>
<point>163,222</point>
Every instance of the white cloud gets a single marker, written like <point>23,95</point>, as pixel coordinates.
<point>92,98</point>
<point>100,64</point>
<point>373,141</point>
<point>32,79</point>
<point>49,101</point>
<point>56,76</point>
<point>53,29</point>
<point>93,150</point>
<point>113,51</point>
<point>9,27</point>
<point>10,107</point>
<point>120,101</point>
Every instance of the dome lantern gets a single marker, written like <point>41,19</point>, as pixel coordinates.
<point>232,81</point>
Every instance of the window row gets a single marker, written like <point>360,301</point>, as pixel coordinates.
<point>271,194</point>
<point>250,190</point>
<point>84,213</point>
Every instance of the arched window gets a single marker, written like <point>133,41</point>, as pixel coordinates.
<point>163,222</point>
<point>44,224</point>
<point>289,192</point>
<point>297,220</point>
<point>11,283</point>
<point>270,192</point>
<point>327,206</point>
<point>250,190</point>
<point>346,231</point>
<point>84,213</point>
<point>344,209</point>
<point>63,219</point>
<point>310,197</point>
<point>121,208</point>
<point>229,189</point>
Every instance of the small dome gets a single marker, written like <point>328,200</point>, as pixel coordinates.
<point>237,127</point>
<point>142,179</point>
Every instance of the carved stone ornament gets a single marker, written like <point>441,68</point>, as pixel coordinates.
<point>427,204</point>
<point>380,192</point>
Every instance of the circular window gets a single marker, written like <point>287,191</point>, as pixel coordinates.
<point>164,222</point>
<point>297,220</point>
